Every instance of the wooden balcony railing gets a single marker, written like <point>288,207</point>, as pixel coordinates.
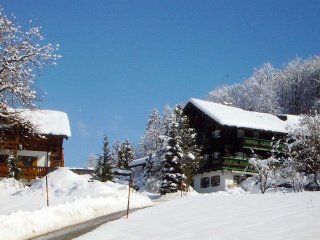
<point>28,173</point>
<point>262,144</point>
<point>236,163</point>
<point>34,172</point>
<point>258,143</point>
<point>239,162</point>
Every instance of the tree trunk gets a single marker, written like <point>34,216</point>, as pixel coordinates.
<point>316,179</point>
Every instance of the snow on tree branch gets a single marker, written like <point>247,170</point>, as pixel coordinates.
<point>23,55</point>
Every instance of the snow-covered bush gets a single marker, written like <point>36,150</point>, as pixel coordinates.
<point>14,170</point>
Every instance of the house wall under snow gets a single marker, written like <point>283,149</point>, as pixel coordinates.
<point>219,180</point>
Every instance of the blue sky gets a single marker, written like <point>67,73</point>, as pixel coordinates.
<point>123,58</point>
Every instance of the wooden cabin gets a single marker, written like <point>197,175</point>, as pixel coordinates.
<point>228,137</point>
<point>37,151</point>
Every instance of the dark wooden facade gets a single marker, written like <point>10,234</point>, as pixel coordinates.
<point>17,141</point>
<point>228,147</point>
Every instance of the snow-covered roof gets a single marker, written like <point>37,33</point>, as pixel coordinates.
<point>232,116</point>
<point>123,172</point>
<point>47,121</point>
<point>138,162</point>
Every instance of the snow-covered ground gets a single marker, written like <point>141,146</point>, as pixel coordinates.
<point>72,199</point>
<point>221,216</point>
<point>232,214</point>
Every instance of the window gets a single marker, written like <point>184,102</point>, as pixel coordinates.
<point>255,135</point>
<point>216,133</point>
<point>204,182</point>
<point>192,184</point>
<point>203,136</point>
<point>215,181</point>
<point>237,179</point>
<point>27,160</point>
<point>240,155</point>
<point>206,157</point>
<point>216,155</point>
<point>240,133</point>
<point>3,158</point>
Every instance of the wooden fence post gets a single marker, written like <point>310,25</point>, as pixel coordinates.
<point>47,192</point>
<point>129,191</point>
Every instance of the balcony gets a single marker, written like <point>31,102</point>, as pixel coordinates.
<point>28,173</point>
<point>236,163</point>
<point>261,144</point>
<point>258,144</point>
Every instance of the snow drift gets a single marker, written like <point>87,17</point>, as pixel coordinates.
<point>72,199</point>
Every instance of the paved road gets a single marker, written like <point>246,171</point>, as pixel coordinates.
<point>77,230</point>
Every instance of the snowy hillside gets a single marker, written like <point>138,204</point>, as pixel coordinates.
<point>72,199</point>
<point>222,217</point>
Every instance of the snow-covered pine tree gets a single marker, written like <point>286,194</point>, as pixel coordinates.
<point>125,155</point>
<point>149,143</point>
<point>154,164</point>
<point>115,153</point>
<point>166,121</point>
<point>149,168</point>
<point>172,174</point>
<point>14,170</point>
<point>191,158</point>
<point>103,170</point>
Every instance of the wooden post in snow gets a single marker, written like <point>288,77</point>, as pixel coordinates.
<point>129,192</point>
<point>47,192</point>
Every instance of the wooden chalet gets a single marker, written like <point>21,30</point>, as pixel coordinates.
<point>228,137</point>
<point>37,151</point>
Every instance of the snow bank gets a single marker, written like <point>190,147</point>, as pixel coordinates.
<point>72,199</point>
<point>11,183</point>
<point>177,195</point>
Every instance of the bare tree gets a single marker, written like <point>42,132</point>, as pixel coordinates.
<point>23,55</point>
<point>264,170</point>
<point>305,146</point>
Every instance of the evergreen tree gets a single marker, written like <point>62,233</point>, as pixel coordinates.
<point>166,120</point>
<point>149,143</point>
<point>115,153</point>
<point>149,168</point>
<point>191,158</point>
<point>103,170</point>
<point>125,155</point>
<point>155,162</point>
<point>172,174</point>
<point>14,170</point>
